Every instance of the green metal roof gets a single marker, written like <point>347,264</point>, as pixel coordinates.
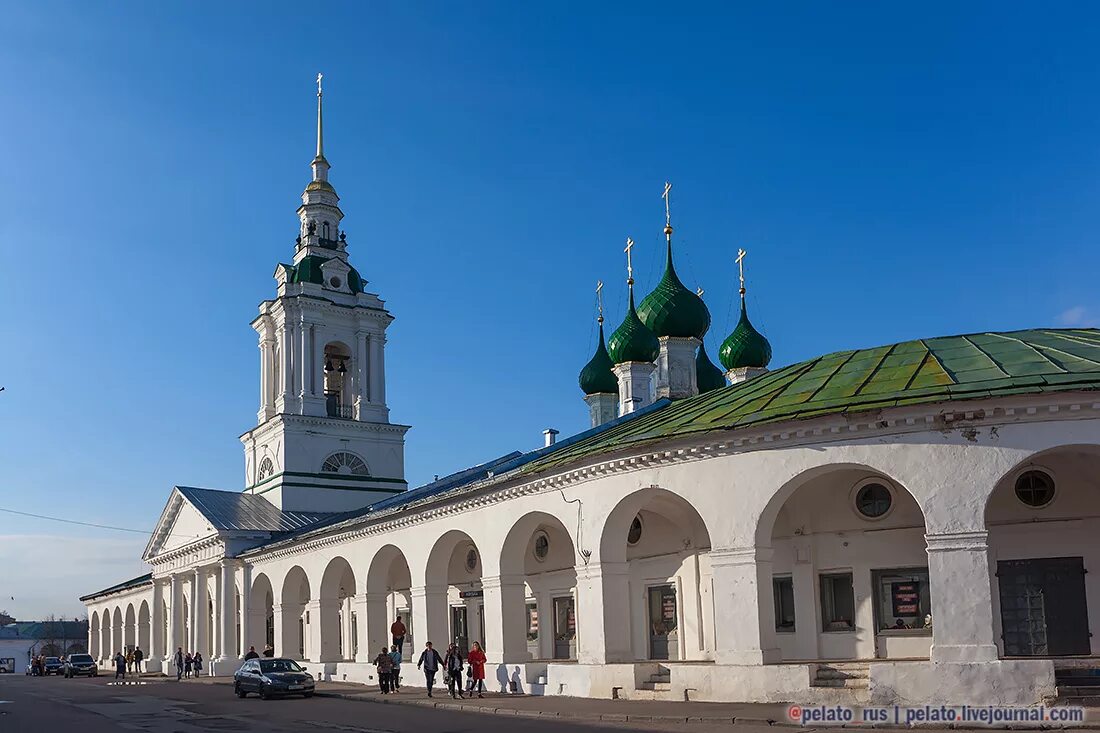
<point>632,341</point>
<point>673,310</point>
<point>745,347</point>
<point>707,376</point>
<point>950,368</point>
<point>309,271</point>
<point>596,377</point>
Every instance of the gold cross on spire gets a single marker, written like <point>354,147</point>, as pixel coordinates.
<point>741,269</point>
<point>599,301</point>
<point>668,210</point>
<point>319,77</point>
<point>629,266</point>
<point>320,134</point>
<point>699,292</point>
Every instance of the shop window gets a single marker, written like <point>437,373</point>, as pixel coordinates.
<point>902,598</point>
<point>532,621</point>
<point>838,603</point>
<point>783,593</point>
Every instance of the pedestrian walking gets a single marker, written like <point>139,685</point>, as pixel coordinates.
<point>452,667</point>
<point>398,631</point>
<point>139,656</point>
<point>130,661</point>
<point>120,665</point>
<point>476,657</point>
<point>197,661</point>
<point>251,654</point>
<point>384,664</point>
<point>187,662</point>
<point>179,663</point>
<point>395,675</point>
<point>430,661</point>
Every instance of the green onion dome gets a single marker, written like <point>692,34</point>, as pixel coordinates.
<point>597,377</point>
<point>673,310</point>
<point>745,347</point>
<point>707,376</point>
<point>632,340</point>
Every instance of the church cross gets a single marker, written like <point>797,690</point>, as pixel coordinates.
<point>629,266</point>
<point>599,299</point>
<point>699,292</point>
<point>668,211</point>
<point>741,268</point>
<point>319,77</point>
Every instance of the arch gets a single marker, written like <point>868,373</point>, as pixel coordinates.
<point>95,633</point>
<point>105,635</point>
<point>454,562</point>
<point>117,640</point>
<point>339,375</point>
<point>1041,553</point>
<point>261,605</point>
<point>336,593</point>
<point>437,572</point>
<point>145,628</point>
<point>655,583</point>
<point>538,590</point>
<point>345,463</point>
<point>266,470</point>
<point>296,618</point>
<point>389,595</point>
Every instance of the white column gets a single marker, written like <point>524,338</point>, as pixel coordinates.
<point>634,385</point>
<point>283,647</point>
<point>430,622</point>
<point>361,371</point>
<point>365,605</point>
<point>961,593</point>
<point>200,611</point>
<point>175,604</point>
<point>305,361</point>
<point>314,648</point>
<point>227,615</point>
<point>286,351</point>
<point>377,371</point>
<point>805,601</point>
<point>156,649</point>
<point>328,622</point>
<point>245,574</point>
<point>676,377</point>
<point>744,615</point>
<point>505,605</point>
<point>603,613</point>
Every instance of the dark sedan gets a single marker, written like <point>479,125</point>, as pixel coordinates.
<point>79,664</point>
<point>271,678</point>
<point>52,665</point>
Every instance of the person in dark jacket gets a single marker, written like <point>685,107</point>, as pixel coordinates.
<point>188,660</point>
<point>452,667</point>
<point>139,656</point>
<point>251,654</point>
<point>197,661</point>
<point>430,662</point>
<point>120,665</point>
<point>179,663</point>
<point>384,664</point>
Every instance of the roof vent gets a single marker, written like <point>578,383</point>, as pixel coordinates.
<point>550,435</point>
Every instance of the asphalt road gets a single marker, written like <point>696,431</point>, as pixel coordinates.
<point>36,704</point>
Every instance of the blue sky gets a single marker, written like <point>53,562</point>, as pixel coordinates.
<point>893,175</point>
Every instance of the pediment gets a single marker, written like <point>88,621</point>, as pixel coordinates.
<point>180,524</point>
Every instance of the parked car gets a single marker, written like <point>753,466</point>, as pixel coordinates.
<point>271,678</point>
<point>52,665</point>
<point>80,664</point>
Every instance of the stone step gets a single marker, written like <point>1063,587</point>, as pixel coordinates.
<point>657,686</point>
<point>1078,690</point>
<point>850,683</point>
<point>843,674</point>
<point>1085,701</point>
<point>661,677</point>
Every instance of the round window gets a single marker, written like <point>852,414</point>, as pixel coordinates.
<point>635,532</point>
<point>873,500</point>
<point>1035,488</point>
<point>334,282</point>
<point>471,560</point>
<point>542,547</point>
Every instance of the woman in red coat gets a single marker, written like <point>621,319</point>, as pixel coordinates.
<point>476,658</point>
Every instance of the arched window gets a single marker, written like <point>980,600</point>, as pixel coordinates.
<point>267,468</point>
<point>345,463</point>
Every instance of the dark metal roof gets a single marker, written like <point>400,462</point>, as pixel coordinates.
<point>140,580</point>
<point>233,511</point>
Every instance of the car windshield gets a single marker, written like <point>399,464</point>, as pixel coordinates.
<point>52,660</point>
<point>279,665</point>
<point>81,658</point>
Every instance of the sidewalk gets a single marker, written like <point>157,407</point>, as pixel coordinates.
<point>594,710</point>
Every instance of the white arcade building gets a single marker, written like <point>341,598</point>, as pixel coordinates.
<point>909,523</point>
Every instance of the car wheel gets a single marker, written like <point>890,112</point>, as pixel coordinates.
<point>307,695</point>
<point>240,693</point>
<point>263,693</point>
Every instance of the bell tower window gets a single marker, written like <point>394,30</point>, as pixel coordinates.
<point>345,463</point>
<point>338,392</point>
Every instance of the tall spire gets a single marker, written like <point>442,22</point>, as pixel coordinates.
<point>320,165</point>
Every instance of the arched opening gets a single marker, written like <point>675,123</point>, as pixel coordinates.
<point>261,609</point>
<point>145,628</point>
<point>129,640</point>
<point>662,547</point>
<point>389,596</point>
<point>1043,521</point>
<point>338,635</point>
<point>95,636</point>
<point>849,567</point>
<point>540,550</point>
<point>296,616</point>
<point>339,396</point>
<point>117,641</point>
<point>105,640</point>
<point>453,582</point>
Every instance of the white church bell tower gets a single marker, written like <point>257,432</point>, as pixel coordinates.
<point>323,440</point>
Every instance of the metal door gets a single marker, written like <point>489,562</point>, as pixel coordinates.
<point>1043,607</point>
<point>662,621</point>
<point>460,633</point>
<point>565,628</point>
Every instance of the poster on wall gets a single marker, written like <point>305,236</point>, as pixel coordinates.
<point>905,598</point>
